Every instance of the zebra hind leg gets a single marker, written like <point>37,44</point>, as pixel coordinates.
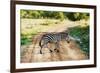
<point>41,51</point>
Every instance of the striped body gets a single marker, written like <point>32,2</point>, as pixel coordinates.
<point>53,38</point>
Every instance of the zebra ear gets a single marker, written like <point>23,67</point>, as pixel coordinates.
<point>67,31</point>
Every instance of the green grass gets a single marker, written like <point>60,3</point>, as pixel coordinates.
<point>81,33</point>
<point>27,38</point>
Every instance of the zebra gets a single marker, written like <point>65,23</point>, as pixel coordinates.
<point>53,38</point>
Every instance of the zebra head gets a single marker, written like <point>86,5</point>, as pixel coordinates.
<point>65,36</point>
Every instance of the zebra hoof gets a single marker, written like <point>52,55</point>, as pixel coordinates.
<point>40,52</point>
<point>51,51</point>
<point>56,50</point>
<point>68,41</point>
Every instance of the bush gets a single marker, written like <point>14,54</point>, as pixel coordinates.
<point>25,40</point>
<point>77,16</point>
<point>81,33</point>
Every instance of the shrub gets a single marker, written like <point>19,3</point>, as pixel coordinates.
<point>81,33</point>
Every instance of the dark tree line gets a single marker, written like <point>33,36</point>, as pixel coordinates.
<point>36,14</point>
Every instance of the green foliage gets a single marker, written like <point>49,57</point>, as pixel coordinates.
<point>77,16</point>
<point>81,33</point>
<point>36,14</point>
<point>29,14</point>
<point>25,40</point>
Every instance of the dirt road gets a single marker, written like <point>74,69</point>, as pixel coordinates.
<point>67,51</point>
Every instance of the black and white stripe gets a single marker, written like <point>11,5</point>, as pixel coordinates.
<point>53,38</point>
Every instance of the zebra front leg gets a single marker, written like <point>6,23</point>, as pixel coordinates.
<point>49,46</point>
<point>56,47</point>
<point>68,39</point>
<point>56,50</point>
